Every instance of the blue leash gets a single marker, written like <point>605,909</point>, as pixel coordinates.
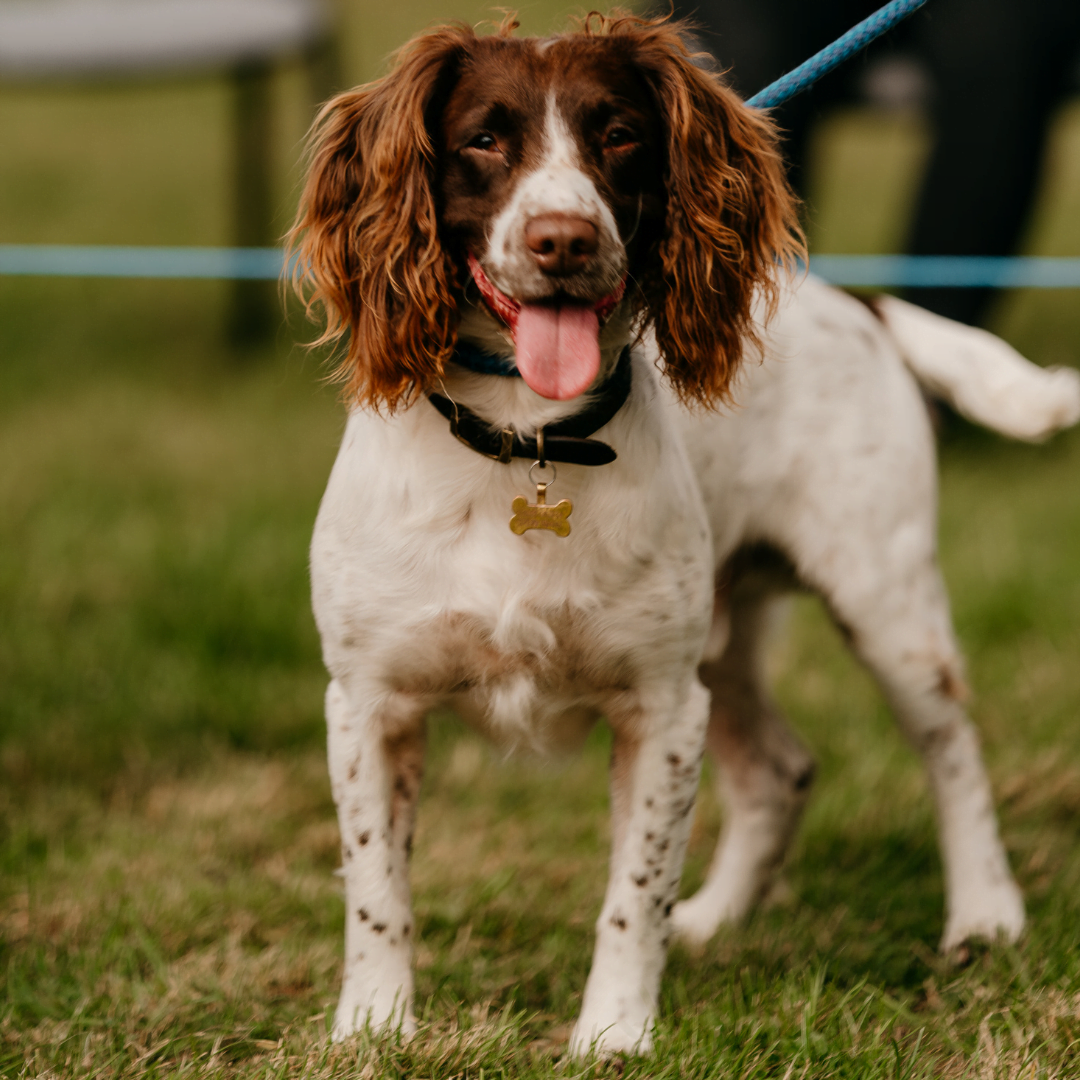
<point>857,38</point>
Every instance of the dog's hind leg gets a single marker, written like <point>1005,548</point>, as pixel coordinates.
<point>902,631</point>
<point>376,753</point>
<point>763,771</point>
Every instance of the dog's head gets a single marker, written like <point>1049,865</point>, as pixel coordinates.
<point>551,178</point>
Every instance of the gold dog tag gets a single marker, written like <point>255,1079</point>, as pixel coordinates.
<point>540,516</point>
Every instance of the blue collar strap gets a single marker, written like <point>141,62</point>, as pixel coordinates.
<point>472,357</point>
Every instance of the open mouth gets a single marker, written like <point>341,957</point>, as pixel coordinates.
<point>557,342</point>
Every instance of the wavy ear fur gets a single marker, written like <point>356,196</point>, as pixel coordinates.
<point>731,220</point>
<point>365,242</point>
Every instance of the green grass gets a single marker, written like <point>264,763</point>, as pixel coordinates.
<point>167,840</point>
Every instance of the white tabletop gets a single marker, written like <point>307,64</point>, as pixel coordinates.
<point>55,38</point>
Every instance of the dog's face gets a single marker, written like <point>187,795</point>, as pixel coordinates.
<point>555,174</point>
<point>551,163</point>
<point>550,160</point>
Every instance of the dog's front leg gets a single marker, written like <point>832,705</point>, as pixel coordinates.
<point>655,763</point>
<point>376,752</point>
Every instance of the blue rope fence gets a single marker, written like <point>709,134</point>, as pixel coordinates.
<point>252,264</point>
<point>266,264</point>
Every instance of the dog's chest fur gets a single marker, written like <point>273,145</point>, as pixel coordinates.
<point>421,590</point>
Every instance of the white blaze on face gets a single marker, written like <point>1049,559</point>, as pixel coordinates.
<point>557,346</point>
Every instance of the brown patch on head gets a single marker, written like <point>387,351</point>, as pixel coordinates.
<point>491,130</point>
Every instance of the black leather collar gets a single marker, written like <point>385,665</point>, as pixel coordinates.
<point>565,441</point>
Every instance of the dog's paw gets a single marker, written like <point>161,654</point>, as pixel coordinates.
<point>994,912</point>
<point>694,922</point>
<point>350,1020</point>
<point>606,1041</point>
<point>697,918</point>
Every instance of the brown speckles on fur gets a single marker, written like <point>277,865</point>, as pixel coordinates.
<point>951,684</point>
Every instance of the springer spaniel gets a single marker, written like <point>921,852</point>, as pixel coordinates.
<point>555,254</point>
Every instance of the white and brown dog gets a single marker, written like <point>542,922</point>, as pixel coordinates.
<point>552,249</point>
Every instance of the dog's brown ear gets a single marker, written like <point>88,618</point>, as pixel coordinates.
<point>365,243</point>
<point>731,220</point>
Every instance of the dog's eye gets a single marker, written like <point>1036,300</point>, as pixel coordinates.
<point>484,141</point>
<point>618,138</point>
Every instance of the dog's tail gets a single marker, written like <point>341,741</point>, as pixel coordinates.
<point>979,375</point>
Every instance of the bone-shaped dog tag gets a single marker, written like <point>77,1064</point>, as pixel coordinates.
<point>541,516</point>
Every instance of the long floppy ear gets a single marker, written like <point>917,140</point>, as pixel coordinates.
<point>365,244</point>
<point>731,220</point>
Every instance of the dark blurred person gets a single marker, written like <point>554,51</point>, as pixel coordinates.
<point>997,68</point>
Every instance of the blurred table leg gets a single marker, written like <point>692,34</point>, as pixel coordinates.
<point>253,315</point>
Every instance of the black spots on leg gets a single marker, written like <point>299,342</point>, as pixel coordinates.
<point>674,760</point>
<point>406,930</point>
<point>640,880</point>
<point>408,844</point>
<point>950,684</point>
<point>618,921</point>
<point>649,803</point>
<point>650,837</point>
<point>363,915</point>
<point>346,853</point>
<point>363,838</point>
<point>667,909</point>
<point>378,927</point>
<point>805,777</point>
<point>354,768</point>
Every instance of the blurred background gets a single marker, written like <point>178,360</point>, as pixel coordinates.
<point>160,680</point>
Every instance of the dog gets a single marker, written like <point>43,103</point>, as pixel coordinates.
<point>566,267</point>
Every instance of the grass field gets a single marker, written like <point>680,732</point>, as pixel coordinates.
<point>167,840</point>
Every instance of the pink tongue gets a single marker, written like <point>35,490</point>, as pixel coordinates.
<point>558,349</point>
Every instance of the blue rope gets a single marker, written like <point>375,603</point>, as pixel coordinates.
<point>856,39</point>
<point>252,264</point>
<point>956,271</point>
<point>948,271</point>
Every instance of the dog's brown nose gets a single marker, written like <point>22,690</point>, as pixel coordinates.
<point>561,244</point>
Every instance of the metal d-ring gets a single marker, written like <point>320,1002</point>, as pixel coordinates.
<point>543,465</point>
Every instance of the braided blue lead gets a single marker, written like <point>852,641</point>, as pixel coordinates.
<point>857,38</point>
